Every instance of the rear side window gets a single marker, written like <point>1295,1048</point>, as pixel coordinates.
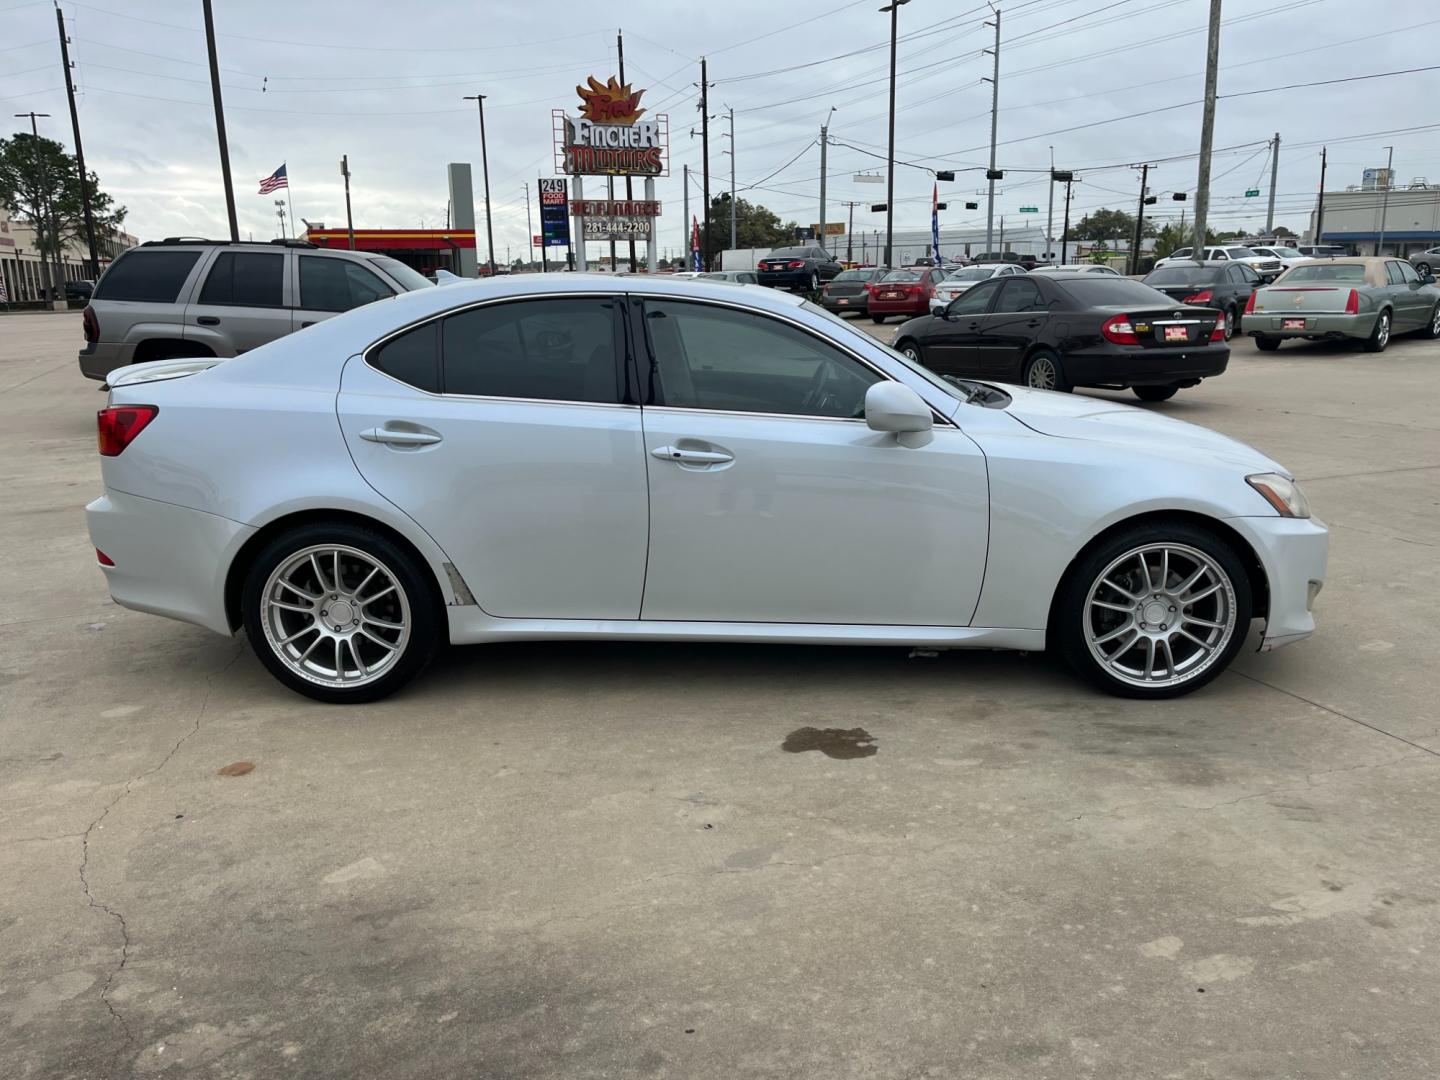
<point>246,279</point>
<point>554,350</point>
<point>154,276</point>
<point>337,284</point>
<point>413,357</point>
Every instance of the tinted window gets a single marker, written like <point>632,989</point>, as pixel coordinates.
<point>1180,253</point>
<point>337,284</point>
<point>788,253</point>
<point>155,276</point>
<point>976,300</point>
<point>1183,275</point>
<point>855,275</point>
<point>1099,291</point>
<point>717,358</point>
<point>1392,271</point>
<point>1407,272</point>
<point>1021,295</point>
<point>902,275</point>
<point>558,350</point>
<point>1325,272</point>
<point>413,357</point>
<point>409,278</point>
<point>1236,274</point>
<point>246,278</point>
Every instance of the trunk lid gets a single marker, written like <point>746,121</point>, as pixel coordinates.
<point>159,371</point>
<point>1168,328</point>
<point>1302,299</point>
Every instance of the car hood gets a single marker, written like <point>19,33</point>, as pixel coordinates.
<point>1076,416</point>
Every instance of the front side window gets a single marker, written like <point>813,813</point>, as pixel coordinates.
<point>709,357</point>
<point>1392,271</point>
<point>153,276</point>
<point>1020,295</point>
<point>337,284</point>
<point>1408,272</point>
<point>561,349</point>
<point>246,279</point>
<point>976,300</point>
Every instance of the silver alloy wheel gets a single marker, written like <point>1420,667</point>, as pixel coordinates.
<point>1042,374</point>
<point>335,615</point>
<point>1422,269</point>
<point>1435,323</point>
<point>1229,323</point>
<point>910,352</point>
<point>1159,615</point>
<point>1382,331</point>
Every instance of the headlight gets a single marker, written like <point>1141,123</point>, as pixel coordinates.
<point>1282,493</point>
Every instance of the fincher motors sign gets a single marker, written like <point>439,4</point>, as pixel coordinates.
<point>608,138</point>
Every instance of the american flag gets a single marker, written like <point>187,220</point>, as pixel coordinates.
<point>274,181</point>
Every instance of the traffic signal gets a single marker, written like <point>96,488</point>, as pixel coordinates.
<point>994,174</point>
<point>1179,196</point>
<point>1062,177</point>
<point>941,205</point>
<point>1151,200</point>
<point>972,206</point>
<point>944,174</point>
<point>878,208</point>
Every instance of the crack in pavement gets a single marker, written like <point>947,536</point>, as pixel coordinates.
<point>85,856</point>
<point>1333,711</point>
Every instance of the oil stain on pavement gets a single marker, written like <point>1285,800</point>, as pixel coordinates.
<point>844,743</point>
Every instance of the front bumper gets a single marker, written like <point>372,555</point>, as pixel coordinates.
<point>99,358</point>
<point>169,560</point>
<point>1292,553</point>
<point>1326,325</point>
<point>1147,367</point>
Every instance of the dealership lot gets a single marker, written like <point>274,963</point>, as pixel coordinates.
<point>634,860</point>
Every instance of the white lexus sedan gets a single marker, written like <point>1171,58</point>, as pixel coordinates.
<point>576,456</point>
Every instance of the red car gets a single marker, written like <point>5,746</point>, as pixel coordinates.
<point>903,292</point>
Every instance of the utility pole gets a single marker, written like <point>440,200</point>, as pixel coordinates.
<point>1207,133</point>
<point>1320,207</point>
<point>1065,229</point>
<point>732,179</point>
<point>686,223</point>
<point>850,235</point>
<point>894,9</point>
<point>994,120</point>
<point>824,146</point>
<point>1139,221</point>
<point>1385,199</point>
<point>1274,179</point>
<point>629,190</point>
<point>350,221</point>
<point>220,121</point>
<point>1050,212</point>
<point>79,149</point>
<point>479,100</point>
<point>705,153</point>
<point>49,280</point>
<point>529,228</point>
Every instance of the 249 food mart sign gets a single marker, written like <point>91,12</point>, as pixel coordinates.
<point>609,138</point>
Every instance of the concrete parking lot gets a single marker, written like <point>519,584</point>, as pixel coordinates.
<point>630,860</point>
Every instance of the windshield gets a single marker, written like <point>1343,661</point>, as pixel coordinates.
<point>1286,252</point>
<point>972,273</point>
<point>1183,275</point>
<point>1350,272</point>
<point>409,278</point>
<point>902,275</point>
<point>1240,253</point>
<point>856,275</point>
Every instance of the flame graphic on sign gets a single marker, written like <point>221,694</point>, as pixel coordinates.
<point>609,102</point>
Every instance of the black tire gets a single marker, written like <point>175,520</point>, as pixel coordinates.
<point>877,319</point>
<point>1231,319</point>
<point>1267,344</point>
<point>1035,369</point>
<point>1422,268</point>
<point>415,588</point>
<point>1432,328</point>
<point>1155,393</point>
<point>908,347</point>
<point>1069,618</point>
<point>1379,337</point>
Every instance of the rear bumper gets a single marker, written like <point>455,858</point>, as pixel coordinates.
<point>784,279</point>
<point>1147,367</point>
<point>918,305</point>
<point>99,358</point>
<point>859,302</point>
<point>1293,553</point>
<point>169,560</point>
<point>1327,325</point>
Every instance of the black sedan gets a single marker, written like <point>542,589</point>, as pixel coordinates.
<point>848,292</point>
<point>805,268</point>
<point>1059,331</point>
<point>1227,286</point>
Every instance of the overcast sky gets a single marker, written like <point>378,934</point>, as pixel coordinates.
<point>305,82</point>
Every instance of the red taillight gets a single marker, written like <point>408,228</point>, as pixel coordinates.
<point>1120,330</point>
<point>119,424</point>
<point>912,290</point>
<point>796,265</point>
<point>103,559</point>
<point>1204,296</point>
<point>1218,334</point>
<point>1250,304</point>
<point>91,325</point>
<point>1352,305</point>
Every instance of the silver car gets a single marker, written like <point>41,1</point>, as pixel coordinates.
<point>1425,261</point>
<point>175,298</point>
<point>1365,299</point>
<point>966,277</point>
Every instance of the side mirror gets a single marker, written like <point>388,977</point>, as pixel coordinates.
<point>1428,279</point>
<point>895,408</point>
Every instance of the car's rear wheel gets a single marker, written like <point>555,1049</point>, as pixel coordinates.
<point>1267,344</point>
<point>1380,336</point>
<point>1155,611</point>
<point>340,613</point>
<point>1155,393</point>
<point>1044,371</point>
<point>1229,323</point>
<point>877,319</point>
<point>1432,330</point>
<point>814,282</point>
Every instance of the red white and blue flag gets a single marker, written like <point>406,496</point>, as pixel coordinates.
<point>275,181</point>
<point>695,243</point>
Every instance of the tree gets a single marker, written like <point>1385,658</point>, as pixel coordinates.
<point>755,226</point>
<point>1109,225</point>
<point>1281,230</point>
<point>40,184</point>
<point>1172,236</point>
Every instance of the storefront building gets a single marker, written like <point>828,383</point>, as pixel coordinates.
<point>425,250</point>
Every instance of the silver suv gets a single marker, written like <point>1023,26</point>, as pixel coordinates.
<point>182,297</point>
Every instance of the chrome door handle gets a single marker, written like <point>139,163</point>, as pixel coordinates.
<point>394,437</point>
<point>691,457</point>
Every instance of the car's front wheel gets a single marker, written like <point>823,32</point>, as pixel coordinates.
<point>911,351</point>
<point>340,613</point>
<point>1229,317</point>
<point>877,319</point>
<point>1422,268</point>
<point>1044,371</point>
<point>1154,611</point>
<point>1432,329</point>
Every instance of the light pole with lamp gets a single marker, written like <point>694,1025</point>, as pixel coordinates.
<point>479,100</point>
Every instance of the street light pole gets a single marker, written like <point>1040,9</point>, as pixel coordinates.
<point>220,122</point>
<point>529,234</point>
<point>350,221</point>
<point>894,9</point>
<point>79,149</point>
<point>479,100</point>
<point>732,179</point>
<point>994,119</point>
<point>1385,199</point>
<point>824,146</point>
